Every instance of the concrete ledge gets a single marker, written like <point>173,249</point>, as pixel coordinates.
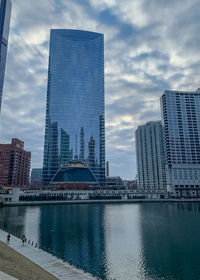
<point>63,202</point>
<point>4,276</point>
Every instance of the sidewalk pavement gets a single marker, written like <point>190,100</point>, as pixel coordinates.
<point>60,269</point>
<point>4,276</point>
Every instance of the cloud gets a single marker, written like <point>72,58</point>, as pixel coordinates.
<point>150,46</point>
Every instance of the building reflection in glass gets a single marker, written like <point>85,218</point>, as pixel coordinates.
<point>75,126</point>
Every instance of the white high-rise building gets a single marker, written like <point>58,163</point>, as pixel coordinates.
<point>150,156</point>
<point>181,123</point>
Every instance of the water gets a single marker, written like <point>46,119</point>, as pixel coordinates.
<point>147,241</point>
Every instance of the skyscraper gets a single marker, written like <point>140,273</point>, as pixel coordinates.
<point>5,12</point>
<point>36,176</point>
<point>181,120</point>
<point>150,156</point>
<point>75,126</point>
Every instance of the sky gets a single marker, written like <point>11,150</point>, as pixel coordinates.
<point>150,46</point>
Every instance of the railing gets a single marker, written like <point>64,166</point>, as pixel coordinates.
<point>36,244</point>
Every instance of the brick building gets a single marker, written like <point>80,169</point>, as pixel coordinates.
<point>14,164</point>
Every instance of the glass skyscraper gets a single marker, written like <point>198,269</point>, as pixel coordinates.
<point>181,122</point>
<point>75,128</point>
<point>5,12</point>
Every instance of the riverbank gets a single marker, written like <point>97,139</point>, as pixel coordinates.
<point>34,263</point>
<point>103,201</point>
<point>16,265</point>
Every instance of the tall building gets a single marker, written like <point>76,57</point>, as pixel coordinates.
<point>36,177</point>
<point>75,128</point>
<point>150,156</point>
<point>181,121</point>
<point>5,13</point>
<point>14,164</point>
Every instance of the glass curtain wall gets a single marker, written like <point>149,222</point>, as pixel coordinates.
<point>75,128</point>
<point>5,13</point>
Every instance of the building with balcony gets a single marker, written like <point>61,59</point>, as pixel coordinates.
<point>150,156</point>
<point>14,164</point>
<point>181,122</point>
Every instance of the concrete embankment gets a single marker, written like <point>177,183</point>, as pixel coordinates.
<point>103,201</point>
<point>16,265</point>
<point>28,262</point>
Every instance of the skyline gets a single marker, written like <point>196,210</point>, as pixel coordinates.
<point>143,54</point>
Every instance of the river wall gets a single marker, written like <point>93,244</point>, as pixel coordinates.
<point>103,201</point>
<point>58,268</point>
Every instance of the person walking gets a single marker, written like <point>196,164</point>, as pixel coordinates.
<point>8,238</point>
<point>23,239</point>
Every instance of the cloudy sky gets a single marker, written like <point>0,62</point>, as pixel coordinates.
<point>150,46</point>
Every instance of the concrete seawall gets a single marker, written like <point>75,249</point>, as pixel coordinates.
<point>61,270</point>
<point>103,201</point>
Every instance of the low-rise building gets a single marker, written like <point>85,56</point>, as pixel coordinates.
<point>74,175</point>
<point>114,182</point>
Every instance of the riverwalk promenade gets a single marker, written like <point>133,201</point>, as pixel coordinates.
<point>56,267</point>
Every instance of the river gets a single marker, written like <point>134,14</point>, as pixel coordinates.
<point>141,241</point>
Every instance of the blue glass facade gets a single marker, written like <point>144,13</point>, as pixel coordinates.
<point>5,12</point>
<point>75,126</point>
<point>74,174</point>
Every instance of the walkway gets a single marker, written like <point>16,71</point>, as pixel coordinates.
<point>58,268</point>
<point>4,276</point>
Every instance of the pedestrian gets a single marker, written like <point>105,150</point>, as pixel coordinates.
<point>8,238</point>
<point>23,239</point>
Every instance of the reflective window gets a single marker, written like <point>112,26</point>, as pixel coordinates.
<point>5,12</point>
<point>75,126</point>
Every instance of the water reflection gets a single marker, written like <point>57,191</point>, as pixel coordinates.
<point>32,223</point>
<point>12,219</point>
<point>170,240</point>
<point>124,241</point>
<point>74,233</point>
